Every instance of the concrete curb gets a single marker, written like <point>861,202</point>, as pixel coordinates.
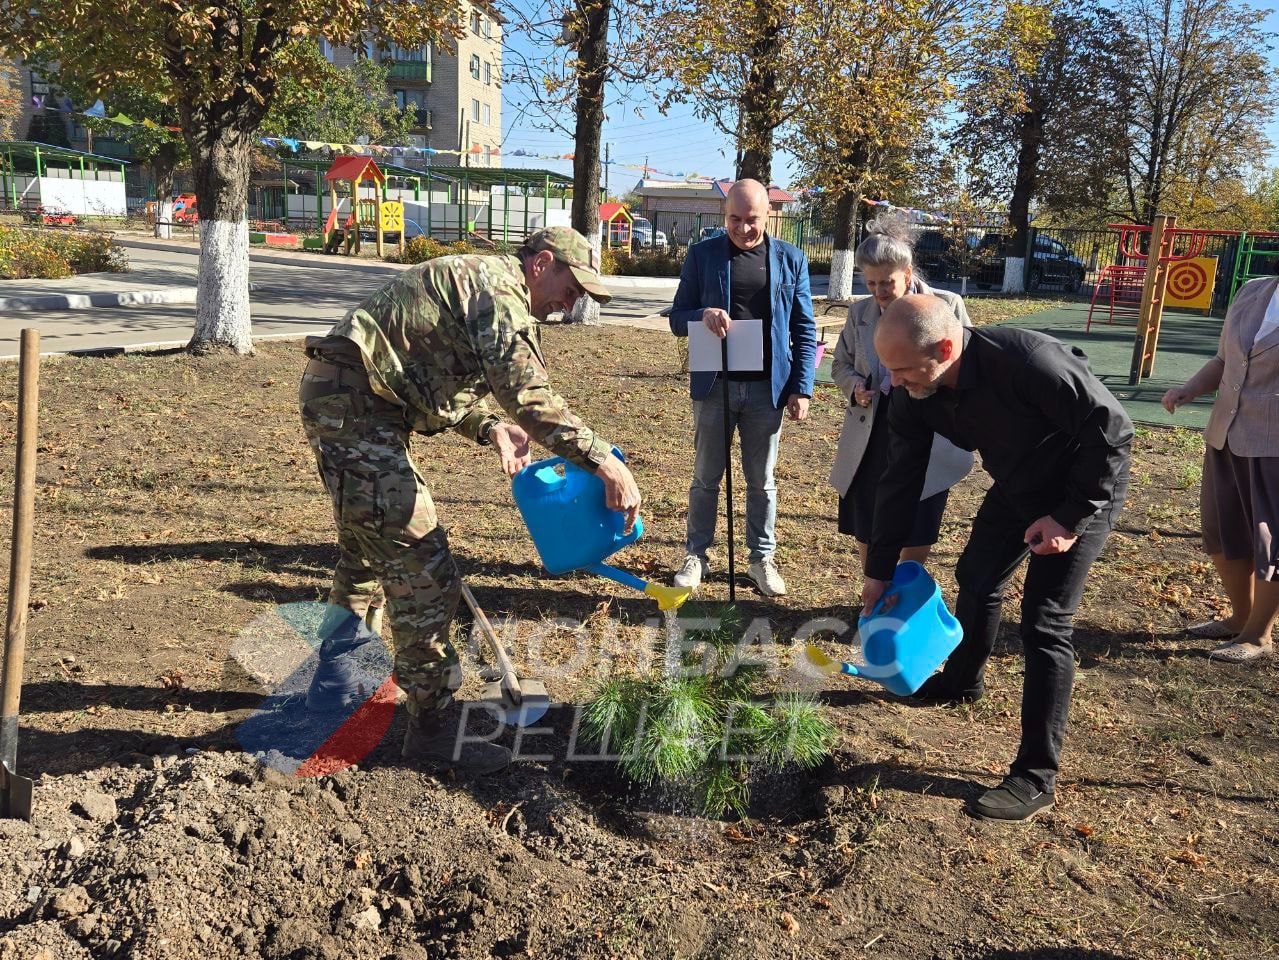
<point>292,259</point>
<point>160,345</point>
<point>86,301</point>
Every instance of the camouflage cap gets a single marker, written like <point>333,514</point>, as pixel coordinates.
<point>574,251</point>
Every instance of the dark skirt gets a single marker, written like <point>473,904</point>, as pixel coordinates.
<point>857,505</point>
<point>1239,504</point>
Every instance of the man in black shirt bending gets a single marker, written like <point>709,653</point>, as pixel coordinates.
<point>1057,444</point>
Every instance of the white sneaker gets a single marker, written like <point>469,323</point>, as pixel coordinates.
<point>690,573</point>
<point>767,578</point>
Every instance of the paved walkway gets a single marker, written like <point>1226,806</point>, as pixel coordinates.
<point>294,294</point>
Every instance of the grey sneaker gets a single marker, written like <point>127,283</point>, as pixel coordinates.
<point>690,572</point>
<point>766,577</point>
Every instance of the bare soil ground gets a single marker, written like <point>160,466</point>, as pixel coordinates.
<point>178,502</point>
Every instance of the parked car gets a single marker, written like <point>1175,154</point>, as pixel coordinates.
<point>643,235</point>
<point>1053,264</point>
<point>935,255</point>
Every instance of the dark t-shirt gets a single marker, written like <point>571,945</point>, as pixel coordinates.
<point>749,299</point>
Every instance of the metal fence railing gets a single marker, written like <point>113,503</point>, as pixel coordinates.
<point>682,228</point>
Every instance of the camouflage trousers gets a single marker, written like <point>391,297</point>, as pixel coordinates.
<point>391,546</point>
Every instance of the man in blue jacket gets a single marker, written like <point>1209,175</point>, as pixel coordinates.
<point>745,274</point>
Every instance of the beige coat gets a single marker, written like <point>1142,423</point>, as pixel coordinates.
<point>855,358</point>
<point>1247,407</point>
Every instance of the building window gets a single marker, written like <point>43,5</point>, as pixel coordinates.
<point>488,115</point>
<point>475,111</point>
<point>488,74</point>
<point>415,55</point>
<point>326,49</point>
<point>475,66</point>
<point>401,100</point>
<point>477,24</point>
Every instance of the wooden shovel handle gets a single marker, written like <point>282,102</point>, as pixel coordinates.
<point>15,637</point>
<point>503,661</point>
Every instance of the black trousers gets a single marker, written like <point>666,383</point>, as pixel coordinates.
<point>1054,586</point>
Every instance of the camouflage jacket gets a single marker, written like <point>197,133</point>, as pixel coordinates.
<point>445,334</point>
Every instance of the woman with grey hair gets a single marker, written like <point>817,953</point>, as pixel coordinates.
<point>887,263</point>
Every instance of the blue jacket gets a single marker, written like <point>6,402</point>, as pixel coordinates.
<point>704,282</point>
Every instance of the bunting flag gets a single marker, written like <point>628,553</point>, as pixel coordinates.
<point>99,111</point>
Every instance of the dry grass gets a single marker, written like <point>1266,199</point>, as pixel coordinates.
<point>177,501</point>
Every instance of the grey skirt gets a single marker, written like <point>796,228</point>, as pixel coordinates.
<point>1239,506</point>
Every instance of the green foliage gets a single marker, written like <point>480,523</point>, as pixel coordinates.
<point>420,249</point>
<point>319,101</point>
<point>706,725</point>
<point>645,263</point>
<point>51,254</point>
<point>10,100</point>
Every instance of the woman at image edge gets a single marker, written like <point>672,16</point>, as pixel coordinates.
<point>886,261</point>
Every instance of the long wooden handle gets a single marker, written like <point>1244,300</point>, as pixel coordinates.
<point>503,661</point>
<point>24,495</point>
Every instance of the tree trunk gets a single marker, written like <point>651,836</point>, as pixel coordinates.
<point>162,165</point>
<point>1031,138</point>
<point>760,107</point>
<point>592,69</point>
<point>220,163</point>
<point>841,263</point>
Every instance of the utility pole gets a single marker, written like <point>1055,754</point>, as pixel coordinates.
<point>608,151</point>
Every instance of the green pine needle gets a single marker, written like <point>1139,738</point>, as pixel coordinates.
<point>797,733</point>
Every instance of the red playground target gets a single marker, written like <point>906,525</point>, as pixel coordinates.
<point>1187,280</point>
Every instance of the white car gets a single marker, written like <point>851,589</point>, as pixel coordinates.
<point>643,235</point>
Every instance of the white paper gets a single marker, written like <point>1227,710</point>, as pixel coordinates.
<point>745,347</point>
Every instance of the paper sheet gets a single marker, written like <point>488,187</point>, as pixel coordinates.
<point>745,347</point>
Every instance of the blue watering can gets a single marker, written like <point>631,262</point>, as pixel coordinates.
<point>563,508</point>
<point>902,646</point>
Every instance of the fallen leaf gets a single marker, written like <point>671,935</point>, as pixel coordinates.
<point>1084,830</point>
<point>788,923</point>
<point>790,838</point>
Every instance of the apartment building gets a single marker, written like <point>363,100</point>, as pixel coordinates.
<point>456,90</point>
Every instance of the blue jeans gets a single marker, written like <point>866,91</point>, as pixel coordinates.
<point>759,425</point>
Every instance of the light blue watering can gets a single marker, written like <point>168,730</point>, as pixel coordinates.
<point>902,646</point>
<point>563,508</point>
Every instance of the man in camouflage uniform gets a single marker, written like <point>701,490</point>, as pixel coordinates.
<point>421,355</point>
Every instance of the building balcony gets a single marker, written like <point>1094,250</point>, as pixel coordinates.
<point>421,118</point>
<point>409,70</point>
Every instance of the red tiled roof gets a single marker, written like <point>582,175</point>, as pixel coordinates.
<point>354,168</point>
<point>610,210</point>
<point>775,194</point>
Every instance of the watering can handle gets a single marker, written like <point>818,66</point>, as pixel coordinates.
<point>880,604</point>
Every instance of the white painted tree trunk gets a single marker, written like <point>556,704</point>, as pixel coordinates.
<point>587,311</point>
<point>963,286</point>
<point>164,220</point>
<point>1014,275</point>
<point>222,288</point>
<point>841,275</point>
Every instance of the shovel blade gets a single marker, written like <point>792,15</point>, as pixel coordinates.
<point>532,706</point>
<point>15,794</point>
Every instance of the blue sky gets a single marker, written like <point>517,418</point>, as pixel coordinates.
<point>682,143</point>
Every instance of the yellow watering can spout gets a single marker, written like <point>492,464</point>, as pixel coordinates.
<point>668,598</point>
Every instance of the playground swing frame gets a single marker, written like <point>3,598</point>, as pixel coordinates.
<point>358,170</point>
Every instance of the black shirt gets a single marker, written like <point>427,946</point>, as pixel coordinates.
<point>1053,438</point>
<point>749,298</point>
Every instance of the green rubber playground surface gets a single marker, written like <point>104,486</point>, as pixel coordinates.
<point>1186,341</point>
